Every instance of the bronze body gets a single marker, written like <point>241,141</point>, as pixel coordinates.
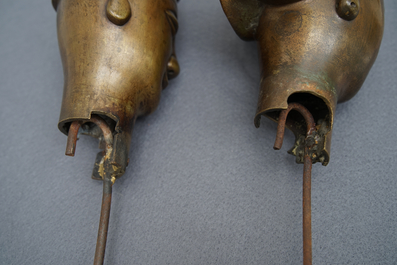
<point>317,53</point>
<point>314,54</point>
<point>117,56</point>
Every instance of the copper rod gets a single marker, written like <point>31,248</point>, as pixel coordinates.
<point>103,222</point>
<point>74,129</point>
<point>107,180</point>
<point>72,138</point>
<point>311,126</point>
<point>307,168</point>
<point>307,209</point>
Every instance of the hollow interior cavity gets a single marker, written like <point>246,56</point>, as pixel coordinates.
<point>317,107</point>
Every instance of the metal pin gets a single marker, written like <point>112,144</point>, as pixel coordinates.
<point>108,180</point>
<point>307,168</point>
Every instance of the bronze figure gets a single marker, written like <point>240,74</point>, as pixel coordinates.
<point>313,53</point>
<point>117,57</point>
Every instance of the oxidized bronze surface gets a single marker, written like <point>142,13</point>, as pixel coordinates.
<point>316,53</point>
<point>117,57</point>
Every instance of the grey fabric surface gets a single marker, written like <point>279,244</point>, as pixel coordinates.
<point>204,186</point>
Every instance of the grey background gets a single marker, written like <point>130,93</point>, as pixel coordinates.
<point>204,186</point>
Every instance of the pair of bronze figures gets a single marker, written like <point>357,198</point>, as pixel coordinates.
<point>119,54</point>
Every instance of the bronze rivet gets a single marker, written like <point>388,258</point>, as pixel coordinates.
<point>348,9</point>
<point>118,11</point>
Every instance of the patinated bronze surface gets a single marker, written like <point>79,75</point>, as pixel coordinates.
<point>317,53</point>
<point>313,54</point>
<point>117,56</point>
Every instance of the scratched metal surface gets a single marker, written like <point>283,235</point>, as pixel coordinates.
<point>203,186</point>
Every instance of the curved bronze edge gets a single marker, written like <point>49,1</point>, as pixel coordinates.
<point>244,16</point>
<point>64,123</point>
<point>278,90</point>
<point>172,20</point>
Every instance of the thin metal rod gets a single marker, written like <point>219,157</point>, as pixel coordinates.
<point>311,126</point>
<point>307,168</point>
<point>307,209</point>
<point>72,138</point>
<point>103,222</point>
<point>74,129</point>
<point>108,180</point>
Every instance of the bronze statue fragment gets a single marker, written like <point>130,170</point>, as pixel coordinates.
<point>315,54</point>
<point>117,57</point>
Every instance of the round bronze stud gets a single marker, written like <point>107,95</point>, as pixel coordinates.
<point>348,9</point>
